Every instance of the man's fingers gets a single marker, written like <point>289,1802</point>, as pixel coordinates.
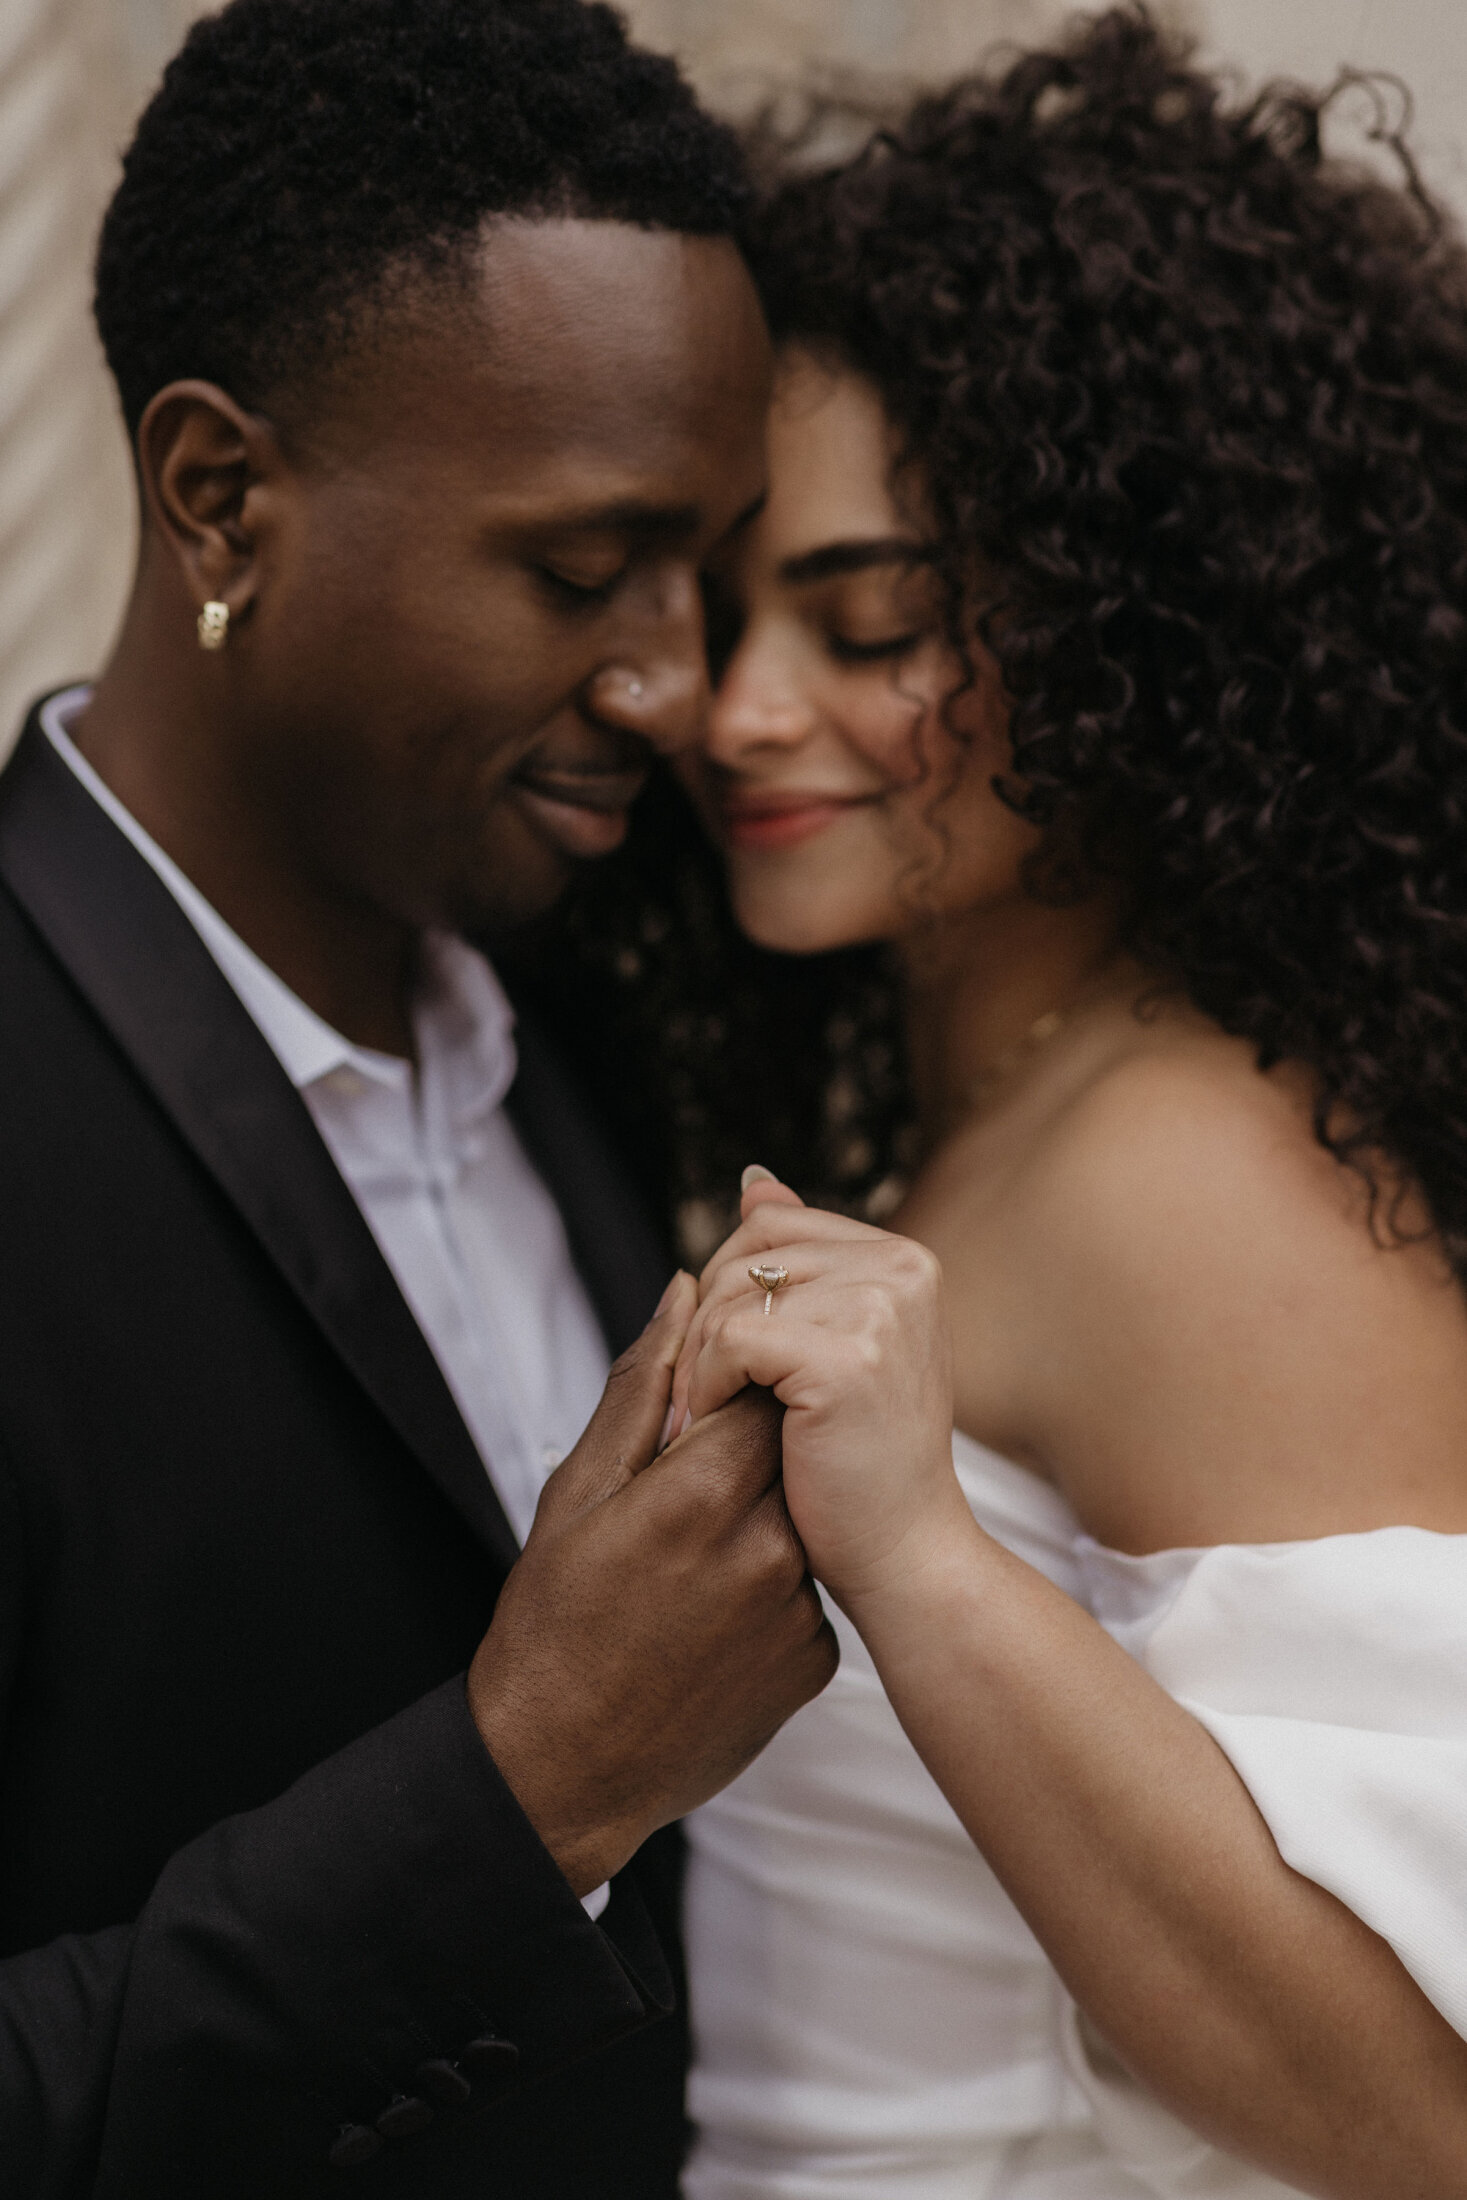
<point>623,1433</point>
<point>734,1450</point>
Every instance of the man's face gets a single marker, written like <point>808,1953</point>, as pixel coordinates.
<point>479,612</point>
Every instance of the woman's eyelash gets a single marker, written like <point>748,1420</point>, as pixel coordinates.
<point>869,653</point>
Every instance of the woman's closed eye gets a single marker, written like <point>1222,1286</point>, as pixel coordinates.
<point>874,617</point>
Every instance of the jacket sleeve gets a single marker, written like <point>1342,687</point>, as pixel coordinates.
<point>296,1968</point>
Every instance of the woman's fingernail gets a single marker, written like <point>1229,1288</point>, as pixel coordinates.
<point>687,1420</point>
<point>754,1174</point>
<point>667,1297</point>
<point>666,1437</point>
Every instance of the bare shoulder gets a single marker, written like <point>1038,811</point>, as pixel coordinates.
<point>1210,1337</point>
<point>1182,1128</point>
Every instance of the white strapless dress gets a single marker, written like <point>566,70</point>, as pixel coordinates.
<point>872,2018</point>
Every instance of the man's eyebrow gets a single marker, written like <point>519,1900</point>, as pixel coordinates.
<point>634,516</point>
<point>629,516</point>
<point>619,515</point>
<point>834,558</point>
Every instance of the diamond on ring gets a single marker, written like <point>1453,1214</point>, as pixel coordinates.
<point>769,1278</point>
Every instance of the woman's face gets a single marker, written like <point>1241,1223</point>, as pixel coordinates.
<point>847,769</point>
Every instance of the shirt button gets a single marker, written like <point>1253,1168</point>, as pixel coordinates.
<point>443,2081</point>
<point>402,2117</point>
<point>491,2059</point>
<point>354,2143</point>
<point>550,1458</point>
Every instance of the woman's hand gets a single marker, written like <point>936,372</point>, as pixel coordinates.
<point>855,1346</point>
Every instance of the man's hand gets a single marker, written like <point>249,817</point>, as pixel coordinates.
<point>660,1626</point>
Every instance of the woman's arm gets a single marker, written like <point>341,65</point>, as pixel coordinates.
<point>1247,1999</point>
<point>1243,1995</point>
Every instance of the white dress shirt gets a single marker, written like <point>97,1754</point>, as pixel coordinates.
<point>468,1229</point>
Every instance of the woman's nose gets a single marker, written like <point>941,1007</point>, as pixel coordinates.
<point>756,704</point>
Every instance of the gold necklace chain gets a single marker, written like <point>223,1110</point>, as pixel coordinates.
<point>980,1091</point>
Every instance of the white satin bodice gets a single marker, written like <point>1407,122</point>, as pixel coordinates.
<point>872,2018</point>
<point>864,1993</point>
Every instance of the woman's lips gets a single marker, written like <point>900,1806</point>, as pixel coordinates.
<point>784,824</point>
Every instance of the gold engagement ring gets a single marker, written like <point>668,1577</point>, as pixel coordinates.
<point>769,1279</point>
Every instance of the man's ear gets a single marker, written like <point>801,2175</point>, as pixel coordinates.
<point>200,457</point>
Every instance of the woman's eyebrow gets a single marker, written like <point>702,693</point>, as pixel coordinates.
<point>832,558</point>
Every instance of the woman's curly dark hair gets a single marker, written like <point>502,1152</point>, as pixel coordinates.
<point>1196,395</point>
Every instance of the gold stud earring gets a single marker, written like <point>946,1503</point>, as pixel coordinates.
<point>214,625</point>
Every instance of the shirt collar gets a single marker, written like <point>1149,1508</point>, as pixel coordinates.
<point>464,1027</point>
<point>463,1024</point>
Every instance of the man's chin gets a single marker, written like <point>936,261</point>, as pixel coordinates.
<point>517,900</point>
<point>524,871</point>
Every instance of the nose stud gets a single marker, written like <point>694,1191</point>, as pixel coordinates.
<point>635,690</point>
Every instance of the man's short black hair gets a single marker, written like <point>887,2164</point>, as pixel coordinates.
<point>298,150</point>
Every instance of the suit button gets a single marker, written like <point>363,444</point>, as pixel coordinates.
<point>403,2116</point>
<point>354,2143</point>
<point>444,2082</point>
<point>490,2058</point>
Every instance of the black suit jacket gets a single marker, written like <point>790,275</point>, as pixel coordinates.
<point>256,1868</point>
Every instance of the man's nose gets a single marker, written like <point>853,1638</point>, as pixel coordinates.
<point>656,686</point>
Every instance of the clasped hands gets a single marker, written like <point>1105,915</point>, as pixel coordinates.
<point>661,1623</point>
<point>856,1348</point>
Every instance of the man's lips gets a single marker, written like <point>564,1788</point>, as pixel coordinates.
<point>583,812</point>
<point>782,821</point>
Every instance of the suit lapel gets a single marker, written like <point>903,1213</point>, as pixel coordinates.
<point>136,958</point>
